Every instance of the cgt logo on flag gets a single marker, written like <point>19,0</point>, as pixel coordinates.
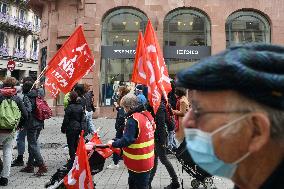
<point>70,64</point>
<point>79,177</point>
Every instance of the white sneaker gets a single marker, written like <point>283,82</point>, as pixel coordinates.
<point>112,166</point>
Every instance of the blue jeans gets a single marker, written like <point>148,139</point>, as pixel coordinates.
<point>90,125</point>
<point>138,180</point>
<point>33,147</point>
<point>21,138</point>
<point>171,140</point>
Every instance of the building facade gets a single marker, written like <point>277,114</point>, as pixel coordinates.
<point>187,30</point>
<point>19,39</point>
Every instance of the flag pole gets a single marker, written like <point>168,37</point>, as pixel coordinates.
<point>39,76</point>
<point>58,184</point>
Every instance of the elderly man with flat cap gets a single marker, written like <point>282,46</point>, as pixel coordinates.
<point>235,127</point>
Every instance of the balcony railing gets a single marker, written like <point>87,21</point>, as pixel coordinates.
<point>34,55</point>
<point>36,28</point>
<point>15,22</point>
<point>20,54</point>
<point>4,51</point>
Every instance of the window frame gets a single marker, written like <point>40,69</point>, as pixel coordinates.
<point>186,11</point>
<point>247,13</point>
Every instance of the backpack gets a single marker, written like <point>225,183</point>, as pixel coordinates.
<point>10,114</point>
<point>42,110</point>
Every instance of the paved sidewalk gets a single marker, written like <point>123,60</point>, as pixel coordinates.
<point>55,156</point>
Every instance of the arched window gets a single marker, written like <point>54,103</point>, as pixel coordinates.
<point>183,29</point>
<point>247,27</point>
<point>119,38</point>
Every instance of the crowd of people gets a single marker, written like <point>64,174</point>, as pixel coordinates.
<point>18,113</point>
<point>226,111</point>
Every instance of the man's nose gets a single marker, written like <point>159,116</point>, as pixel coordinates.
<point>188,121</point>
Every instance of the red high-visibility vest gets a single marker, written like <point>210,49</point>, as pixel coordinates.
<point>139,156</point>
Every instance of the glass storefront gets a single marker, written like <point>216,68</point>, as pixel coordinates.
<point>186,39</point>
<point>247,27</point>
<point>120,29</point>
<point>185,28</point>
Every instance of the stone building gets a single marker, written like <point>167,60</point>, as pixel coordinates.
<point>19,39</point>
<point>187,30</point>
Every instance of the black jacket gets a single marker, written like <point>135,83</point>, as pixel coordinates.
<point>120,120</point>
<point>33,122</point>
<point>161,129</point>
<point>74,118</point>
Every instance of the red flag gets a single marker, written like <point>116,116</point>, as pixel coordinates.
<point>72,61</point>
<point>155,56</point>
<point>104,152</point>
<point>139,73</point>
<point>79,177</point>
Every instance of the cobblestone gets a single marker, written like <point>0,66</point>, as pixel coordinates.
<point>55,155</point>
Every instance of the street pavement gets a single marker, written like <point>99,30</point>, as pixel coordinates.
<point>55,154</point>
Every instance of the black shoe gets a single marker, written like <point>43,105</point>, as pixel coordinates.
<point>17,162</point>
<point>3,181</point>
<point>173,185</point>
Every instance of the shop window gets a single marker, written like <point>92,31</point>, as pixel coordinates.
<point>120,29</point>
<point>184,28</point>
<point>247,27</point>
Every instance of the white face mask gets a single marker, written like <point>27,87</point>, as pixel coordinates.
<point>201,149</point>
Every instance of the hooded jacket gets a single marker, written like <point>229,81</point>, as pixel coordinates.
<point>10,93</point>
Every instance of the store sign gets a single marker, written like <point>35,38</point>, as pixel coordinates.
<point>118,52</point>
<point>11,65</point>
<point>187,52</point>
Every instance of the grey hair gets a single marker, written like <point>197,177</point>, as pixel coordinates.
<point>129,101</point>
<point>276,117</point>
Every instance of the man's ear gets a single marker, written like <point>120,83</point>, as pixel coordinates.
<point>261,131</point>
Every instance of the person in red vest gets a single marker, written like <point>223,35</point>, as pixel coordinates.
<point>137,142</point>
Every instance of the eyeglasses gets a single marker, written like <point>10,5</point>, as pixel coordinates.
<point>197,114</point>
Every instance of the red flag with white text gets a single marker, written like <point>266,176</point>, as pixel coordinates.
<point>143,72</point>
<point>79,177</point>
<point>72,61</point>
<point>155,56</point>
<point>139,74</point>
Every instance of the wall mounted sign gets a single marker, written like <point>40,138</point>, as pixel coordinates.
<point>186,53</point>
<point>118,52</point>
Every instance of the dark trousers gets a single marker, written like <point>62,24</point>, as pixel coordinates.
<point>33,147</point>
<point>72,142</point>
<point>138,180</point>
<point>160,152</point>
<point>115,157</point>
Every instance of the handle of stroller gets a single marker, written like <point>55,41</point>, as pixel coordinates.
<point>102,146</point>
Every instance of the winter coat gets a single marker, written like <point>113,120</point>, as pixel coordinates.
<point>74,118</point>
